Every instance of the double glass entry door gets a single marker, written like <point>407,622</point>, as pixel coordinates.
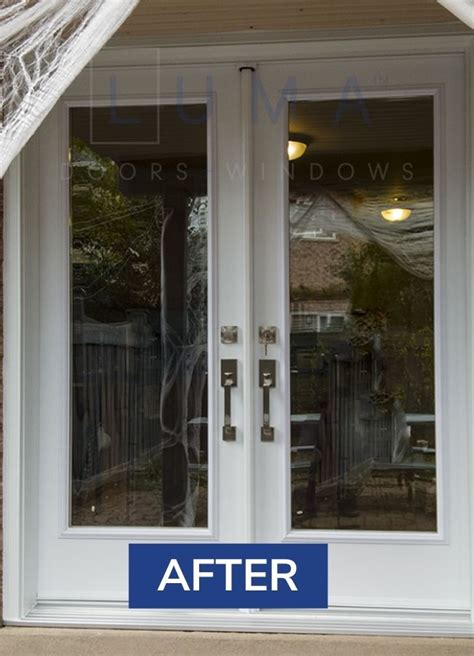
<point>263,323</point>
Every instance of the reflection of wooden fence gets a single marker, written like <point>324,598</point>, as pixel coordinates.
<point>354,426</point>
<point>115,414</point>
<point>117,398</point>
<point>362,427</point>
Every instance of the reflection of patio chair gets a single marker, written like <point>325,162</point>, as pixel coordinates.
<point>326,478</point>
<point>311,438</point>
<point>306,442</point>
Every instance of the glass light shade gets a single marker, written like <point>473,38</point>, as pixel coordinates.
<point>296,149</point>
<point>395,214</point>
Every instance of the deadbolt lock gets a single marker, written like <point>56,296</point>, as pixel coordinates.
<point>229,334</point>
<point>267,335</point>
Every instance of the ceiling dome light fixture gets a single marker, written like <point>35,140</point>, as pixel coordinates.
<point>395,214</point>
<point>296,149</point>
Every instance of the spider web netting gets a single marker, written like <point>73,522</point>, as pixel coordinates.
<point>411,244</point>
<point>44,45</point>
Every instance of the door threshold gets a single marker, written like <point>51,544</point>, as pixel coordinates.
<point>340,620</point>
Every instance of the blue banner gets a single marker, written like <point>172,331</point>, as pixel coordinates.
<point>228,575</point>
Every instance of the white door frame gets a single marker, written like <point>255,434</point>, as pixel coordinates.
<point>21,605</point>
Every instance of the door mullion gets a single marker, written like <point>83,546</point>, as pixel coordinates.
<point>246,81</point>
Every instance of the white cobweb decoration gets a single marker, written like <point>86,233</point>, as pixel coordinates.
<point>44,45</point>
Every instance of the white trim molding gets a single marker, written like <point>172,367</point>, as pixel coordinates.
<point>13,513</point>
<point>277,49</point>
<point>470,274</point>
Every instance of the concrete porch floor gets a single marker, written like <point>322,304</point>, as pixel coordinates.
<point>74,642</point>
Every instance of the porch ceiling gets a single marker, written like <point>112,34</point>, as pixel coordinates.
<point>164,18</point>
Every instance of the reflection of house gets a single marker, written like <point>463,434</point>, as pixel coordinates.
<point>319,316</point>
<point>316,264</point>
<point>317,258</point>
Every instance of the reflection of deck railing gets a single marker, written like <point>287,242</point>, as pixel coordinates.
<point>318,322</point>
<point>411,418</point>
<point>335,465</point>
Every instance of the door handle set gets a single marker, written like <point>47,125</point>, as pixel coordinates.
<point>228,381</point>
<point>266,378</point>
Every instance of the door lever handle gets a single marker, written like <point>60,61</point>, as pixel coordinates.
<point>267,371</point>
<point>228,381</point>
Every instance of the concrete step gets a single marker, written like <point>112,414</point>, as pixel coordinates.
<point>16,641</point>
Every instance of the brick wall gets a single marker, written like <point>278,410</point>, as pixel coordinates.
<point>1,397</point>
<point>317,264</point>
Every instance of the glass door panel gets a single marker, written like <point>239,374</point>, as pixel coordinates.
<point>362,351</point>
<point>139,294</point>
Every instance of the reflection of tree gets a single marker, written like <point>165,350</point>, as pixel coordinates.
<point>116,239</point>
<point>396,307</point>
<point>312,293</point>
